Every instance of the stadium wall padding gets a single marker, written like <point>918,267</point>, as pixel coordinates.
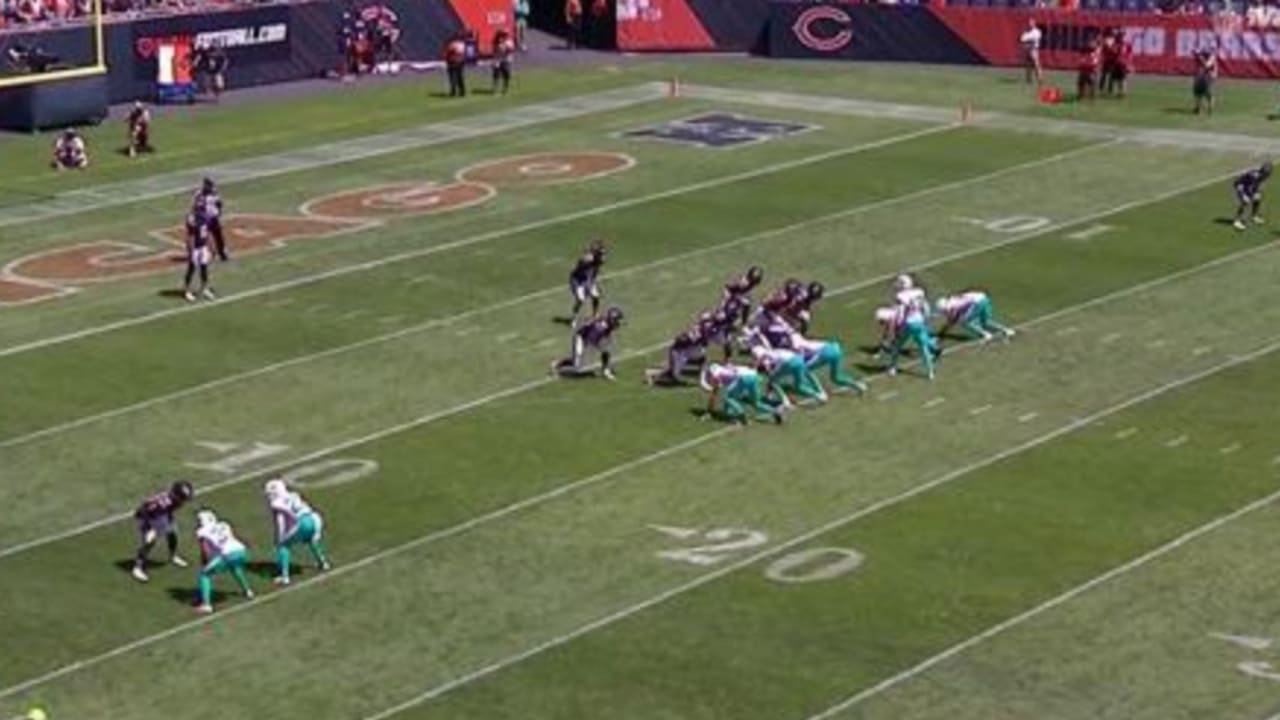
<point>1163,44</point>
<point>258,56</point>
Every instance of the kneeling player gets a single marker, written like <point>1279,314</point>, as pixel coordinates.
<point>155,518</point>
<point>596,334</point>
<point>971,310</point>
<point>731,386</point>
<point>199,255</point>
<point>139,130</point>
<point>294,521</point>
<point>687,347</point>
<point>220,551</point>
<point>69,152</point>
<point>1248,189</point>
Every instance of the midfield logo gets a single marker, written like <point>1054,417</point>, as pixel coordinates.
<point>720,130</point>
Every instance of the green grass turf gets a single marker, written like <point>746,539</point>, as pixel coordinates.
<point>939,568</point>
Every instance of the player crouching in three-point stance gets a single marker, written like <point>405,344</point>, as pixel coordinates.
<point>829,354</point>
<point>220,551</point>
<point>784,368</point>
<point>685,350</point>
<point>731,386</point>
<point>971,310</point>
<point>1248,189</point>
<point>199,255</point>
<point>596,334</point>
<point>293,521</point>
<point>139,130</point>
<point>155,518</point>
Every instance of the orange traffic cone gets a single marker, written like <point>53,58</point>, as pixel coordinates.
<point>966,111</point>
<point>673,88</point>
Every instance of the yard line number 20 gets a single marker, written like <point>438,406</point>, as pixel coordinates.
<point>718,545</point>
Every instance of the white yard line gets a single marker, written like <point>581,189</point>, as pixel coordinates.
<point>486,237</point>
<point>448,412</point>
<point>314,157</point>
<point>1016,620</point>
<point>811,535</point>
<point>1073,425</point>
<point>232,379</point>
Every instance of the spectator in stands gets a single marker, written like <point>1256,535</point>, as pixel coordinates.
<point>1030,41</point>
<point>573,21</point>
<point>1202,85</point>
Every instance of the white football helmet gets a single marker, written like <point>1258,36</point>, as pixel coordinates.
<point>206,518</point>
<point>275,487</point>
<point>903,282</point>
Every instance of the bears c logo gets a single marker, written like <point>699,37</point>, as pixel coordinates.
<point>824,28</point>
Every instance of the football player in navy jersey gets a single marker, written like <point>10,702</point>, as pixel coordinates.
<point>799,310</point>
<point>1248,189</point>
<point>199,256</point>
<point>737,294</point>
<point>595,334</point>
<point>685,350</point>
<point>584,280</point>
<point>155,517</point>
<point>208,204</point>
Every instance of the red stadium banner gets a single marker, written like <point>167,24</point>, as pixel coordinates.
<point>661,24</point>
<point>1162,44</point>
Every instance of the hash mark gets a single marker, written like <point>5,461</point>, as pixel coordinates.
<point>1069,330</point>
<point>1126,433</point>
<point>1233,447</point>
<point>887,395</point>
<point>352,315</point>
<point>1110,338</point>
<point>980,409</point>
<point>1028,417</point>
<point>935,402</point>
<point>466,331</point>
<point>700,281</point>
<point>552,261</point>
<point>508,337</point>
<point>1157,344</point>
<point>855,302</point>
<point>1202,350</point>
<point>547,342</point>
<point>391,319</point>
<point>1176,442</point>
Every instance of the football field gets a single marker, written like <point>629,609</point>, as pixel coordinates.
<point>1076,524</point>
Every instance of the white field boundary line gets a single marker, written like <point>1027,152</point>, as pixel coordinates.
<point>534,501</point>
<point>879,506</point>
<point>1075,592</point>
<point>481,238</point>
<point>1246,144</point>
<point>335,153</point>
<point>517,301</point>
<point>479,402</point>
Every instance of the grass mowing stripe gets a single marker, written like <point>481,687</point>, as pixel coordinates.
<point>838,523</point>
<point>630,465</point>
<point>484,237</point>
<point>464,407</point>
<point>313,157</point>
<point>513,302</point>
<point>993,120</point>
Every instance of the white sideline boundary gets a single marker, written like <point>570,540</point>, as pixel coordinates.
<point>314,157</point>
<point>477,239</point>
<point>479,402</point>
<point>516,301</point>
<point>534,501</point>
<point>811,535</point>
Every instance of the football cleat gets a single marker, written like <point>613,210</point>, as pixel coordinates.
<point>190,296</point>
<point>1258,220</point>
<point>280,580</point>
<point>204,609</point>
<point>1238,224</point>
<point>178,561</point>
<point>140,575</point>
<point>608,374</point>
<point>208,294</point>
